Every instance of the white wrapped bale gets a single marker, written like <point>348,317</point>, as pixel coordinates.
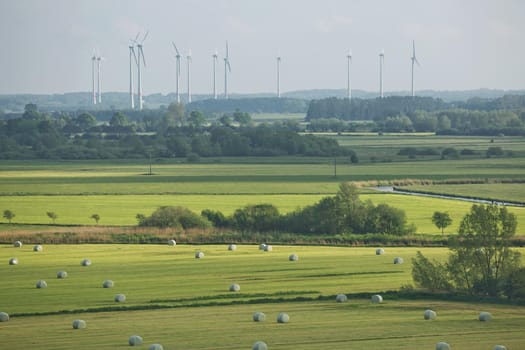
<point>155,347</point>
<point>199,255</point>
<point>398,260</point>
<point>485,316</point>
<point>79,324</point>
<point>500,347</point>
<point>443,346</point>
<point>429,315</point>
<point>108,284</point>
<point>41,284</point>
<point>61,274</point>
<point>85,262</point>
<point>120,298</point>
<point>135,340</point>
<point>259,316</point>
<point>260,345</point>
<point>232,247</point>
<point>377,299</point>
<point>17,244</point>
<point>172,243</point>
<point>293,257</point>
<point>262,246</point>
<point>4,317</point>
<point>38,248</point>
<point>235,287</point>
<point>13,261</point>
<point>283,318</point>
<point>341,298</point>
<point>268,248</point>
<point>380,251</point>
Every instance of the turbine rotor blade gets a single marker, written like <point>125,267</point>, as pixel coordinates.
<point>142,54</point>
<point>145,36</point>
<point>176,49</point>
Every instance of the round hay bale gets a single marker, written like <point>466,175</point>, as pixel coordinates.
<point>38,248</point>
<point>199,255</point>
<point>155,347</point>
<point>398,260</point>
<point>135,340</point>
<point>4,317</point>
<point>442,346</point>
<point>61,274</point>
<point>79,324</point>
<point>485,316</point>
<point>262,246</point>
<point>17,244</point>
<point>235,287</point>
<point>120,298</point>
<point>283,318</point>
<point>259,316</point>
<point>85,262</point>
<point>13,261</point>
<point>268,248</point>
<point>380,251</point>
<point>232,247</point>
<point>41,284</point>
<point>377,299</point>
<point>172,243</point>
<point>260,345</point>
<point>500,347</point>
<point>108,284</point>
<point>341,298</point>
<point>293,257</point>
<point>429,315</point>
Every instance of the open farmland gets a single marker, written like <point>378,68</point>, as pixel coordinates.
<point>164,285</point>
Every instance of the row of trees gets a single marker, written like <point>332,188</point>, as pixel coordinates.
<point>9,215</point>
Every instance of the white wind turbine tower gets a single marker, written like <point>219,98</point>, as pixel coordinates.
<point>414,60</point>
<point>93,61</point>
<point>177,75</point>
<point>227,68</point>
<point>215,55</point>
<point>139,76</point>
<point>189,74</point>
<point>381,63</point>
<point>278,76</point>
<point>99,59</point>
<point>132,58</point>
<point>349,63</point>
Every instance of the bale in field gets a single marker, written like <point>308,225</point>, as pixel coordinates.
<point>485,316</point>
<point>377,299</point>
<point>443,346</point>
<point>79,324</point>
<point>13,261</point>
<point>293,257</point>
<point>61,274</point>
<point>341,298</point>
<point>4,317</point>
<point>108,284</point>
<point>41,284</point>
<point>199,255</point>
<point>235,287</point>
<point>500,347</point>
<point>120,298</point>
<point>17,244</point>
<point>38,248</point>
<point>268,248</point>
<point>85,262</point>
<point>135,340</point>
<point>232,247</point>
<point>155,347</point>
<point>398,260</point>
<point>429,315</point>
<point>259,316</point>
<point>172,243</point>
<point>283,318</point>
<point>380,251</point>
<point>262,246</point>
<point>260,345</point>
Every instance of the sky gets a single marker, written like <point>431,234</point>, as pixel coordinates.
<point>47,45</point>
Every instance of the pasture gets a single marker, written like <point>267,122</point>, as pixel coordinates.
<point>184,303</point>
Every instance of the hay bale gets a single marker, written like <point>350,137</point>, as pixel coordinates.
<point>17,244</point>
<point>85,262</point>
<point>485,316</point>
<point>259,316</point>
<point>398,260</point>
<point>429,315</point>
<point>232,247</point>
<point>135,340</point>
<point>293,257</point>
<point>13,261</point>
<point>500,347</point>
<point>155,347</point>
<point>172,243</point>
<point>108,284</point>
<point>262,246</point>
<point>79,324</point>
<point>260,345</point>
<point>380,251</point>
<point>199,255</point>
<point>41,284</point>
<point>442,346</point>
<point>4,317</point>
<point>341,298</point>
<point>377,299</point>
<point>61,274</point>
<point>38,248</point>
<point>268,248</point>
<point>235,287</point>
<point>120,298</point>
<point>283,318</point>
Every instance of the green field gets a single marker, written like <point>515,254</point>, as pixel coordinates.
<point>184,303</point>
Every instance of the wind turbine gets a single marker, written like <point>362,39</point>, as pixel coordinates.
<point>349,62</point>
<point>278,76</point>
<point>189,75</point>
<point>132,58</point>
<point>381,63</point>
<point>139,76</point>
<point>99,59</point>
<point>227,68</point>
<point>93,60</point>
<point>215,55</point>
<point>414,59</point>
<point>177,76</point>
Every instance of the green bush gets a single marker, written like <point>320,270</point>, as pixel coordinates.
<point>173,216</point>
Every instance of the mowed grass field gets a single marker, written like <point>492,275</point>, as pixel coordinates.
<point>184,303</point>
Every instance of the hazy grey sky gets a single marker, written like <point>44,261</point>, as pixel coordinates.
<point>462,44</point>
